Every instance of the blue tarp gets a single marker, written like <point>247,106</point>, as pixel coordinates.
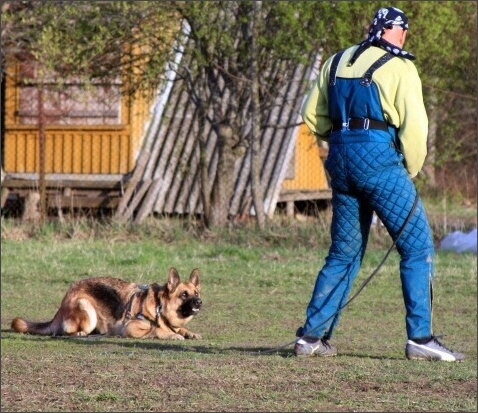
<point>459,241</point>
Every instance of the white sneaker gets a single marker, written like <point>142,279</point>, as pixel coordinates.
<point>308,346</point>
<point>433,350</point>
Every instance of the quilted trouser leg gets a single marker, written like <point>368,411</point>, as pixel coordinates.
<point>392,196</point>
<point>349,232</point>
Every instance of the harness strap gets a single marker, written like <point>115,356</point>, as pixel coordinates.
<point>141,292</point>
<point>367,77</point>
<point>141,316</point>
<point>130,305</point>
<point>333,68</point>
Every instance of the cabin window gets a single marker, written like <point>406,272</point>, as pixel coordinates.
<point>68,102</point>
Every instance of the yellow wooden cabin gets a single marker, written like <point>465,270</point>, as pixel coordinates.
<point>92,140</point>
<point>309,180</point>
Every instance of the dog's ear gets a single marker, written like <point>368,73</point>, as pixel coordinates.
<point>173,279</point>
<point>194,277</point>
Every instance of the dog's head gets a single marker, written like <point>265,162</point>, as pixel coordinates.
<point>181,300</point>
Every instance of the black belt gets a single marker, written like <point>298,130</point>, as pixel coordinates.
<point>359,123</point>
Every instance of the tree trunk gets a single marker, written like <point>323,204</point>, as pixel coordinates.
<point>433,119</point>
<point>223,184</point>
<point>204,171</point>
<point>256,186</point>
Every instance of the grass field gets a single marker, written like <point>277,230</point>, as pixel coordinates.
<point>255,287</point>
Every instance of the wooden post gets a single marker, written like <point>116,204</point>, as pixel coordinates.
<point>41,154</point>
<point>290,209</point>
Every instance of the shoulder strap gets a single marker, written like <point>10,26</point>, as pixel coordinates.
<point>367,77</point>
<point>333,68</point>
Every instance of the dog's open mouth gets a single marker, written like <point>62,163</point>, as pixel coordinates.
<point>186,312</point>
<point>190,307</point>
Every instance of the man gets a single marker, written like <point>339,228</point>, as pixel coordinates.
<point>368,105</point>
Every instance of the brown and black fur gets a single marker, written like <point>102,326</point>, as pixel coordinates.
<point>110,306</point>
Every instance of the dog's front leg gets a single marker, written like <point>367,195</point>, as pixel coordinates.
<point>189,334</point>
<point>139,329</point>
<point>163,334</point>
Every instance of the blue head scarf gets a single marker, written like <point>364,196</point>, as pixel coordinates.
<point>385,18</point>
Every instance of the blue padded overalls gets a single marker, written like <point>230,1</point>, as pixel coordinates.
<point>367,174</point>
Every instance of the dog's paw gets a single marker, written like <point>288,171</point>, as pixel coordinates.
<point>176,337</point>
<point>193,336</point>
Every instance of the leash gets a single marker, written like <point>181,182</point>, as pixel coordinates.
<point>366,281</point>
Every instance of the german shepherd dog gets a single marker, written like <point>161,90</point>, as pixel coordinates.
<point>113,307</point>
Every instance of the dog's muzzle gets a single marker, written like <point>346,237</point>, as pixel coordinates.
<point>191,306</point>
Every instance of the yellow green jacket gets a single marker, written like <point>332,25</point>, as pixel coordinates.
<point>400,90</point>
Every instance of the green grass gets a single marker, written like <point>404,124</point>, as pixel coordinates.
<point>255,287</point>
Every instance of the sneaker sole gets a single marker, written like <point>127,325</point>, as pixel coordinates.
<point>315,355</point>
<point>421,352</point>
<point>425,358</point>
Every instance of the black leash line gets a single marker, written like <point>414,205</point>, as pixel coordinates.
<point>367,280</point>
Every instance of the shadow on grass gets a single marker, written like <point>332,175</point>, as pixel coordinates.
<point>187,346</point>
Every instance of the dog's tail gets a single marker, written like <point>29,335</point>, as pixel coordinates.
<point>23,326</point>
<point>81,321</point>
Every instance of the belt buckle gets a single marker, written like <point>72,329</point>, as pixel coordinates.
<point>366,123</point>
<point>346,124</point>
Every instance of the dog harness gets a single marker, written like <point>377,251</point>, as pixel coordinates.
<point>141,294</point>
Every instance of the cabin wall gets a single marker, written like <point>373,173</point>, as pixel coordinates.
<point>70,149</point>
<point>307,172</point>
